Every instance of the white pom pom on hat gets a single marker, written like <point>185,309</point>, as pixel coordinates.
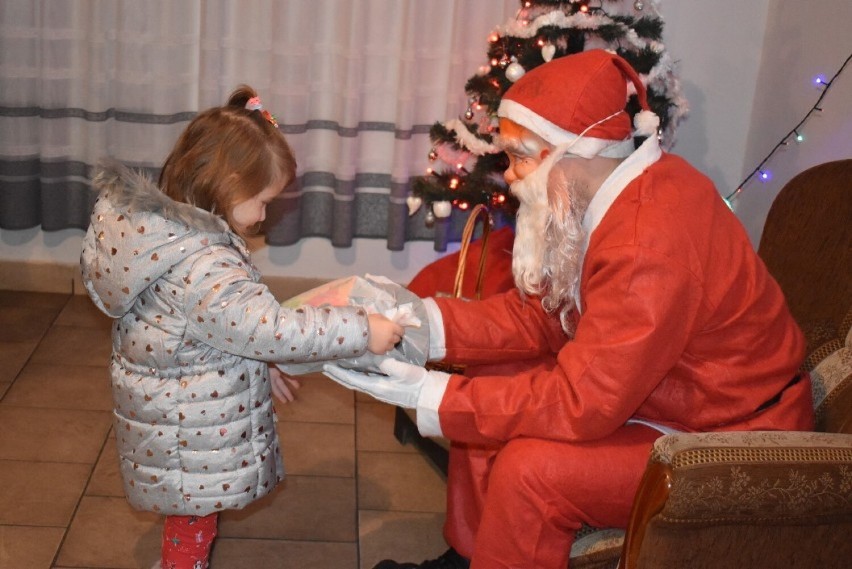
<point>581,94</point>
<point>646,123</point>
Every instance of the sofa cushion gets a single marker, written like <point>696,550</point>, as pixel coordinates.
<point>831,382</point>
<point>596,548</point>
<point>775,476</point>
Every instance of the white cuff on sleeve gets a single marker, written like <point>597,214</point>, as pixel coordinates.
<point>431,394</point>
<point>437,340</point>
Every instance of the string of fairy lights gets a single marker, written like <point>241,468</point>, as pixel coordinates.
<point>762,171</point>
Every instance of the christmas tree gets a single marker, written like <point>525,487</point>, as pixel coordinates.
<point>466,167</point>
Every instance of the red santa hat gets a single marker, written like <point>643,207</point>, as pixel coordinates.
<point>581,98</point>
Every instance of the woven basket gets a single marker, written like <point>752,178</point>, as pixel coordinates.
<point>477,214</point>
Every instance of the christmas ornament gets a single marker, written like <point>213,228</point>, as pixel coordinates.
<point>433,155</point>
<point>429,220</point>
<point>468,114</point>
<point>548,51</point>
<point>515,71</point>
<point>469,142</point>
<point>414,203</point>
<point>639,5</point>
<point>442,209</point>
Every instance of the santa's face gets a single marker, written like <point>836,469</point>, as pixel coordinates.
<point>524,149</point>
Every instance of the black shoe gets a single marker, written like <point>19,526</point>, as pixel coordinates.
<point>449,560</point>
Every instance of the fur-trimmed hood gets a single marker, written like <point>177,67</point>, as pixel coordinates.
<point>131,190</point>
<point>137,234</point>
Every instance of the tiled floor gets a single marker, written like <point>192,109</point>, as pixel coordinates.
<point>353,494</point>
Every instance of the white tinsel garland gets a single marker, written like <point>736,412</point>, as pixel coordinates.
<point>466,139</point>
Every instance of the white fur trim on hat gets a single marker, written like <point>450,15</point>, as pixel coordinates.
<point>586,147</point>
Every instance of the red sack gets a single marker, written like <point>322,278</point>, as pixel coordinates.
<point>439,277</point>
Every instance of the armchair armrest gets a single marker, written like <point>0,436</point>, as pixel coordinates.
<point>760,479</point>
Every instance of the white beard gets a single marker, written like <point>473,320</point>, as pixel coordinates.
<point>549,239</point>
<point>530,224</point>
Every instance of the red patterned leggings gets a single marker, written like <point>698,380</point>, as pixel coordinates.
<point>187,541</point>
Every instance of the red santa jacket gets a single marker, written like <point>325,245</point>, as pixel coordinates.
<point>681,325</point>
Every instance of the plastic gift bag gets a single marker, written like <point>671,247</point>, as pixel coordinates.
<point>377,295</point>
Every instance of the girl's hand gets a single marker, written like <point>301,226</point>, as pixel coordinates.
<point>283,385</point>
<point>384,334</point>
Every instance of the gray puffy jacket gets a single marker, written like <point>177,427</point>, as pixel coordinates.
<point>193,331</point>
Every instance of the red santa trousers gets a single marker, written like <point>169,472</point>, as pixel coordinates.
<point>519,505</point>
<point>187,541</point>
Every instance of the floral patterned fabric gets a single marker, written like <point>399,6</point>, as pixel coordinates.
<point>765,475</point>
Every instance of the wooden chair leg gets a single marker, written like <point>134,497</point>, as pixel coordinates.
<point>406,432</point>
<point>404,428</point>
<point>650,499</point>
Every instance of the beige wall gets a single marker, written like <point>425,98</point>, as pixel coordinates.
<point>801,41</point>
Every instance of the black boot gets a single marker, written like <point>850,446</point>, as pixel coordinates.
<point>449,560</point>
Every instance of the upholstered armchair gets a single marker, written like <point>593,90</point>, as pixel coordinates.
<point>770,499</point>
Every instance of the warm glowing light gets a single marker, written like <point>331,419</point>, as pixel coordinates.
<point>501,198</point>
<point>494,62</point>
<point>493,38</point>
<point>429,170</point>
<point>584,9</point>
<point>541,43</point>
<point>459,166</point>
<point>464,205</point>
<point>454,183</point>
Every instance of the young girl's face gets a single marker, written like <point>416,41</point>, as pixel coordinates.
<point>249,214</point>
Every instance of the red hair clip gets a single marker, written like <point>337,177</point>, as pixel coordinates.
<point>254,104</point>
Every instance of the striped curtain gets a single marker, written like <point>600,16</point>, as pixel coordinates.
<point>354,84</point>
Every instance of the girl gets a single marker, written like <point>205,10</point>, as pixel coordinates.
<point>194,327</point>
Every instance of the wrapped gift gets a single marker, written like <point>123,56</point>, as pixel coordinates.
<point>376,295</point>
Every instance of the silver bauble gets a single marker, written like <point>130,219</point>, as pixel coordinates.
<point>515,71</point>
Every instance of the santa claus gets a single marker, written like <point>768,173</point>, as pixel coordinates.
<point>634,275</point>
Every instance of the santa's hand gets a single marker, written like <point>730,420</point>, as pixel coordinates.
<point>401,386</point>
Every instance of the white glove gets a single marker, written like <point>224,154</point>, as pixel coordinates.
<point>400,386</point>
